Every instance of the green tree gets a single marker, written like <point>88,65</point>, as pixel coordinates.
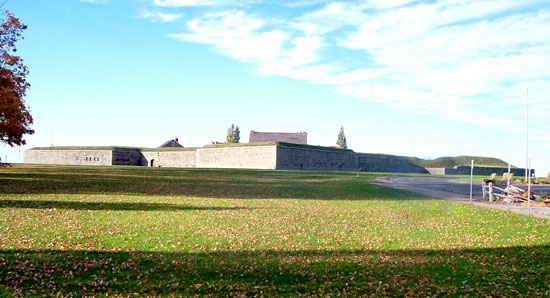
<point>342,143</point>
<point>233,134</point>
<point>15,118</point>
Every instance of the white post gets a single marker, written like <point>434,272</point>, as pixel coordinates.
<point>529,190</point>
<point>490,191</point>
<point>471,180</point>
<point>508,183</point>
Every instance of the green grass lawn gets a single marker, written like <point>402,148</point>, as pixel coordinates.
<point>131,231</point>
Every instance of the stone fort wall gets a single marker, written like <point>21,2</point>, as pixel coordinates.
<point>68,156</point>
<point>124,157</point>
<point>281,156</point>
<point>315,158</point>
<point>238,157</point>
<point>387,163</point>
<point>165,158</point>
<point>251,157</point>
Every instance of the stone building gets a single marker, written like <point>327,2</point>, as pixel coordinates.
<point>286,137</point>
<point>174,143</point>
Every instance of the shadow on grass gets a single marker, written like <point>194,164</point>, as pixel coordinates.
<point>513,271</point>
<point>219,183</point>
<point>76,205</point>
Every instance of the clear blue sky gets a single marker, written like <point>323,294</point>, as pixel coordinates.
<point>413,78</point>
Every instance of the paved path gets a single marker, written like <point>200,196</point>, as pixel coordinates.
<point>450,189</point>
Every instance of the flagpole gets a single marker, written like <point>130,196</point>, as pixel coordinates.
<point>529,191</point>
<point>527,133</point>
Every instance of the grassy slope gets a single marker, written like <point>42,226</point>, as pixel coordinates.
<point>184,232</point>
<point>450,162</point>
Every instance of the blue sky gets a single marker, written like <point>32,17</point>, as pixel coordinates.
<point>412,78</point>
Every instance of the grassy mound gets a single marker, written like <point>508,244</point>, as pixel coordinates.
<point>451,162</point>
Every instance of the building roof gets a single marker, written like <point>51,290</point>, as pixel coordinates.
<point>287,137</point>
<point>171,143</point>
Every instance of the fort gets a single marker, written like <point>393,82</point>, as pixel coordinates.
<point>266,150</point>
<point>259,155</point>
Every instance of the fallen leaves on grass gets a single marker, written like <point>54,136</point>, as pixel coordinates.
<point>323,236</point>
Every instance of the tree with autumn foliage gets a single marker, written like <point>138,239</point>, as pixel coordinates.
<point>15,118</point>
